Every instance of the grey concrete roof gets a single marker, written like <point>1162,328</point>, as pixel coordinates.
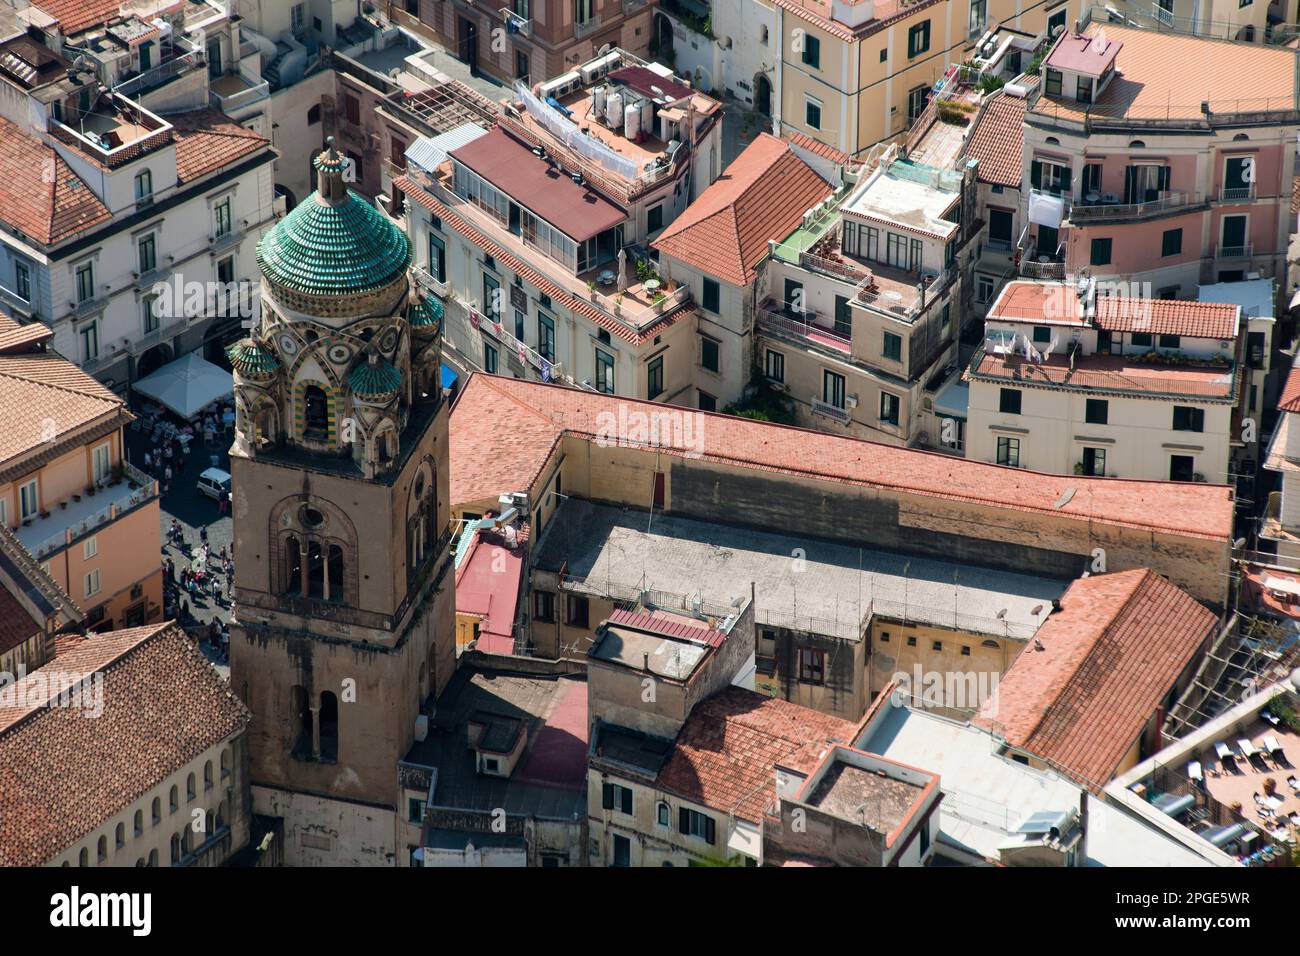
<point>987,796</point>
<point>801,583</point>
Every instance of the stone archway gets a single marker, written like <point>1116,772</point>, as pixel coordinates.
<point>152,359</point>
<point>762,94</point>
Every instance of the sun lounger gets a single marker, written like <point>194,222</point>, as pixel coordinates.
<point>1246,748</point>
<point>1194,771</point>
<point>1273,747</point>
<point>1222,749</point>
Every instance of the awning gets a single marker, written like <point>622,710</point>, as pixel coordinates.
<point>187,385</point>
<point>448,376</point>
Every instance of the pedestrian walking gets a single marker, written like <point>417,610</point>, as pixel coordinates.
<point>223,501</point>
<point>171,571</point>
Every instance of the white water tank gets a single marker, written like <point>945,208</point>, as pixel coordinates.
<point>631,121</point>
<point>597,100</point>
<point>614,111</point>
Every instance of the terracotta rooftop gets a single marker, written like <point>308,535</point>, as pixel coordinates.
<point>1153,79</point>
<point>17,624</point>
<point>761,196</point>
<point>207,140</point>
<point>46,208</point>
<point>819,12</point>
<point>62,775</point>
<point>77,15</point>
<point>1112,373</point>
<point>1108,657</point>
<point>487,587</point>
<point>503,431</point>
<point>1289,400</point>
<point>818,148</point>
<point>511,167</point>
<point>66,396</point>
<point>1058,303</point>
<point>726,753</point>
<point>998,140</point>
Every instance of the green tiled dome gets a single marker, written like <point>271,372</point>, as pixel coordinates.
<point>374,378</point>
<point>334,248</point>
<point>251,358</point>
<point>426,312</point>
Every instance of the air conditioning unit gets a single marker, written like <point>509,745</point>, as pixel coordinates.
<point>850,401</point>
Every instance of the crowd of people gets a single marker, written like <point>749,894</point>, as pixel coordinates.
<point>206,576</point>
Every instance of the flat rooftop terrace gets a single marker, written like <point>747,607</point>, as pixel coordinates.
<point>862,797</point>
<point>799,582</point>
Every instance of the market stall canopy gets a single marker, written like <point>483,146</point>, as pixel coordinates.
<point>187,385</point>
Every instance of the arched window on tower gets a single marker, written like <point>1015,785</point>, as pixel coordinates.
<point>315,419</point>
<point>334,578</point>
<point>315,570</point>
<point>292,567</point>
<point>329,726</point>
<point>300,714</point>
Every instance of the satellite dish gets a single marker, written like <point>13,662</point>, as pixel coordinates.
<point>603,50</point>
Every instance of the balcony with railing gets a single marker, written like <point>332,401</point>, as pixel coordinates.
<point>1244,251</point>
<point>900,293</point>
<point>117,132</point>
<point>587,27</point>
<point>1244,193</point>
<point>178,58</point>
<point>1104,210</point>
<point>804,329</point>
<point>830,410</point>
<point>64,522</point>
<point>516,24</point>
<point>234,91</point>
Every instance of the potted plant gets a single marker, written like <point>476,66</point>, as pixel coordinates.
<point>1270,785</point>
<point>90,489</point>
<point>1078,468</point>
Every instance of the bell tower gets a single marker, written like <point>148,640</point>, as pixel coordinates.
<point>344,623</point>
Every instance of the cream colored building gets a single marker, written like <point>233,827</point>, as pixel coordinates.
<point>1073,381</point>
<point>97,727</point>
<point>856,74</point>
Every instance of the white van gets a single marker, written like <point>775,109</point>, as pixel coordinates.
<point>213,482</point>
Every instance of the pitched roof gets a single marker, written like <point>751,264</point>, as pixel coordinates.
<point>503,431</point>
<point>62,775</point>
<point>510,166</point>
<point>816,147</point>
<point>725,754</point>
<point>1289,400</point>
<point>207,140</point>
<point>1059,303</point>
<point>998,140</point>
<point>66,396</point>
<point>17,624</point>
<point>558,293</point>
<point>761,196</point>
<point>77,15</point>
<point>39,194</point>
<point>1109,656</point>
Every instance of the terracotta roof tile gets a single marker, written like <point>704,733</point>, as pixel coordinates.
<point>43,207</point>
<point>207,140</point>
<point>1289,400</point>
<point>77,15</point>
<point>62,775</point>
<point>1112,372</point>
<point>1058,302</point>
<point>761,196</point>
<point>998,140</point>
<point>1109,656</point>
<point>17,625</point>
<point>67,397</point>
<point>725,754</point>
<point>816,147</point>
<point>503,431</point>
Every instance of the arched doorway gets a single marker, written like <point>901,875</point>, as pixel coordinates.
<point>663,38</point>
<point>152,359</point>
<point>763,94</point>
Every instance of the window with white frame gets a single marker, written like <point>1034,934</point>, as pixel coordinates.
<point>143,187</point>
<point>149,312</point>
<point>4,512</point>
<point>101,461</point>
<point>92,583</point>
<point>23,281</point>
<point>90,547</point>
<point>89,341</point>
<point>147,253</point>
<point>222,223</point>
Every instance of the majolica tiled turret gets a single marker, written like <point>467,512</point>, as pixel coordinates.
<point>343,350</point>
